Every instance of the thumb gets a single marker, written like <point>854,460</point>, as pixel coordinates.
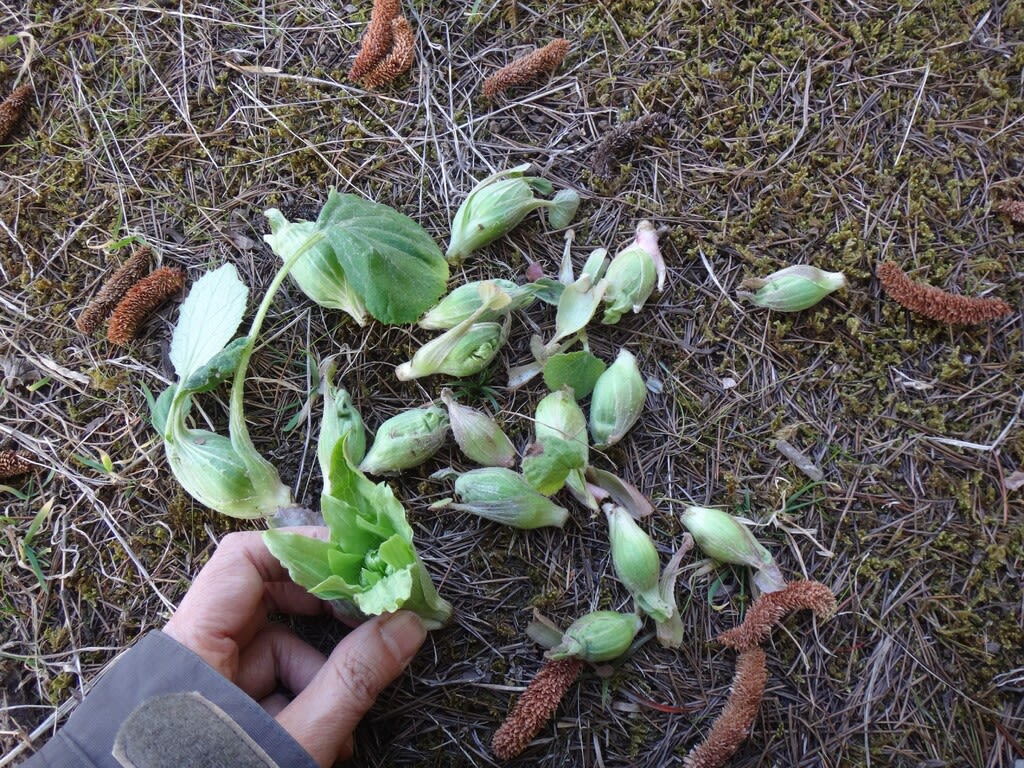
<point>322,717</point>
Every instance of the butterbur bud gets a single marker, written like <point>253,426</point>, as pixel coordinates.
<point>791,289</point>
<point>633,273</point>
<point>598,636</point>
<point>636,562</point>
<point>559,416</point>
<point>467,347</point>
<point>465,300</point>
<point>727,540</point>
<point>341,422</point>
<point>504,496</point>
<point>496,205</point>
<point>617,400</point>
<point>406,440</point>
<point>478,436</point>
<point>213,471</point>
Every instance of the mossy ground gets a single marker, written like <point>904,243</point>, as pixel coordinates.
<point>836,134</point>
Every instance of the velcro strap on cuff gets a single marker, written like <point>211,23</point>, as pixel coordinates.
<point>185,729</point>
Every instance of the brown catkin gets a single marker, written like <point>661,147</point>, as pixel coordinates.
<point>527,68</point>
<point>11,110</point>
<point>535,707</point>
<point>772,607</point>
<point>377,38</point>
<point>113,291</point>
<point>937,304</point>
<point>398,60</point>
<point>732,726</point>
<point>13,464</point>
<point>623,139</point>
<point>141,301</point>
<point>1012,208</point>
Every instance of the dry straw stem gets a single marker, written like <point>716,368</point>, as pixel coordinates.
<point>527,68</point>
<point>12,464</point>
<point>1012,208</point>
<point>936,304</point>
<point>141,301</point>
<point>730,730</point>
<point>113,291</point>
<point>11,110</point>
<point>535,707</point>
<point>772,607</point>
<point>377,38</point>
<point>398,60</point>
<point>623,139</point>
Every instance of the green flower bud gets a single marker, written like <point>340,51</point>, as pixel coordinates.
<point>505,497</point>
<point>318,273</point>
<point>341,422</point>
<point>466,348</point>
<point>598,636</point>
<point>636,563</point>
<point>496,206</point>
<point>792,289</point>
<point>462,302</point>
<point>632,274</point>
<point>559,415</point>
<point>478,436</point>
<point>406,440</point>
<point>617,401</point>
<point>727,540</point>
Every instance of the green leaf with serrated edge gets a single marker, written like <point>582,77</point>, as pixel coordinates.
<point>547,470</point>
<point>208,318</point>
<point>390,260</point>
<point>218,370</point>
<point>579,370</point>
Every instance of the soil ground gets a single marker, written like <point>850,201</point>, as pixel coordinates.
<point>835,134</point>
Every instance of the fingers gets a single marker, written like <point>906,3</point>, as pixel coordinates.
<point>277,656</point>
<point>230,598</point>
<point>323,716</point>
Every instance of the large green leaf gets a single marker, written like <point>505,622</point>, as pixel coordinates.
<point>389,259</point>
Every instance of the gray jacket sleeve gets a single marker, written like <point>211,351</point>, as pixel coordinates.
<point>161,705</point>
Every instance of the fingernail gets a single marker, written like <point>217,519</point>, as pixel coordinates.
<point>403,633</point>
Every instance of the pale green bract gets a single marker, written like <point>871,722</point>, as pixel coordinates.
<point>318,273</point>
<point>225,474</point>
<point>368,564</point>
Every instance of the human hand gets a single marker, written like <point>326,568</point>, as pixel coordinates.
<point>223,619</point>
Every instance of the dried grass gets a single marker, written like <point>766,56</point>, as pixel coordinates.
<point>790,121</point>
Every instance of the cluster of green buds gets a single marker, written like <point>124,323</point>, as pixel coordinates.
<point>406,440</point>
<point>617,400</point>
<point>791,289</point>
<point>727,540</point>
<point>499,203</point>
<point>597,636</point>
<point>468,346</point>
<point>368,565</point>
